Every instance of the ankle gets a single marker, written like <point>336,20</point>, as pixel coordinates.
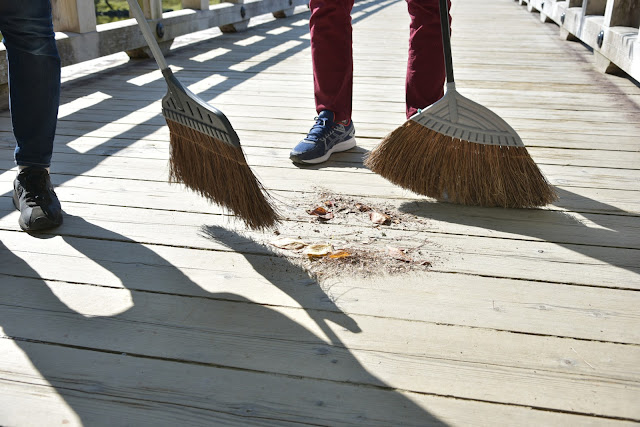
<point>21,168</point>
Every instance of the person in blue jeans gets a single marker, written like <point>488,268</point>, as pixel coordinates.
<point>34,97</point>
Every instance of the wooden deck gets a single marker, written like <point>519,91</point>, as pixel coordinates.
<point>151,307</point>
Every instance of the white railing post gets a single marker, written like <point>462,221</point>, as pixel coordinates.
<point>73,16</point>
<point>617,13</point>
<point>285,12</point>
<point>635,53</point>
<point>152,11</point>
<point>152,8</point>
<point>76,16</point>
<point>570,25</point>
<point>622,13</point>
<point>83,40</point>
<point>235,27</point>
<point>589,8</point>
<point>195,4</point>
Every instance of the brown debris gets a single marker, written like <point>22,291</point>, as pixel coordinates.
<point>321,213</point>
<point>379,218</point>
<point>368,248</point>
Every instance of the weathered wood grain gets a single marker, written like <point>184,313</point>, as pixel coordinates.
<point>149,306</point>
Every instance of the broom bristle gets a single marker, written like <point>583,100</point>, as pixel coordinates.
<point>219,172</point>
<point>438,166</point>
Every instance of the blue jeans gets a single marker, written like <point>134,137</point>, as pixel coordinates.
<point>34,78</point>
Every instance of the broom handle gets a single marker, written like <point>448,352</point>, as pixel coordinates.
<point>446,39</point>
<point>148,35</point>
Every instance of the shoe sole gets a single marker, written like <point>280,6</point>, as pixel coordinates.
<point>342,146</point>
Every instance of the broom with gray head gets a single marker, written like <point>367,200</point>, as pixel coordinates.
<point>460,151</point>
<point>205,149</point>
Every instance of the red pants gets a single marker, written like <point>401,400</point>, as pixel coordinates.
<point>332,55</point>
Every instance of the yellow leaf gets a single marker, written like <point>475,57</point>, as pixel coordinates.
<point>318,250</point>
<point>288,243</point>
<point>340,254</point>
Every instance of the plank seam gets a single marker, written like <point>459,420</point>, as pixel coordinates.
<point>319,310</point>
<point>300,377</point>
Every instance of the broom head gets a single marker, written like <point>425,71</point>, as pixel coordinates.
<point>459,151</point>
<point>206,156</point>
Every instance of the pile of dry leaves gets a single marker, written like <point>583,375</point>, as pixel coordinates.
<point>333,235</point>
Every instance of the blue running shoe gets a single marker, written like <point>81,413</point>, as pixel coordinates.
<point>325,138</point>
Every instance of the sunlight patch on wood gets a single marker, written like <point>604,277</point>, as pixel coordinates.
<point>81,103</point>
<point>264,56</point>
<point>207,83</point>
<point>214,53</point>
<point>123,125</point>
<point>249,41</point>
<point>92,301</point>
<point>42,399</point>
<point>280,30</point>
<point>151,76</point>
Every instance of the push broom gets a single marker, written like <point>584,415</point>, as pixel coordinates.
<point>205,150</point>
<point>459,151</point>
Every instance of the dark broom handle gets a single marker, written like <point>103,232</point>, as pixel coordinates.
<point>446,39</point>
<point>148,35</point>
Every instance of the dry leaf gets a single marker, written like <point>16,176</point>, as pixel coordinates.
<point>288,243</point>
<point>318,211</point>
<point>318,250</point>
<point>398,254</point>
<point>362,208</point>
<point>340,254</point>
<point>379,218</point>
<point>321,213</point>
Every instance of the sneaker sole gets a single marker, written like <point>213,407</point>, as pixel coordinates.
<point>343,146</point>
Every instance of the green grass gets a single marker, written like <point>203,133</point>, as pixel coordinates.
<point>122,6</point>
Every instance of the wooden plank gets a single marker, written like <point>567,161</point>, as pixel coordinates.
<point>287,342</point>
<point>134,258</point>
<point>582,265</point>
<point>355,175</point>
<point>518,107</point>
<point>366,86</point>
<point>155,267</point>
<point>231,397</point>
<point>516,104</point>
<point>278,143</point>
<point>574,198</point>
<point>149,112</point>
<point>560,121</point>
<point>273,148</point>
<point>214,390</point>
<point>95,188</point>
<point>573,181</point>
<point>558,227</point>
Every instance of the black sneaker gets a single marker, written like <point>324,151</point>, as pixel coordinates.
<point>34,197</point>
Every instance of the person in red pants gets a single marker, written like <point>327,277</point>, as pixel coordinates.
<point>332,57</point>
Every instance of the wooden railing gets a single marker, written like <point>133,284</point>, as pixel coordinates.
<point>80,39</point>
<point>610,27</point>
